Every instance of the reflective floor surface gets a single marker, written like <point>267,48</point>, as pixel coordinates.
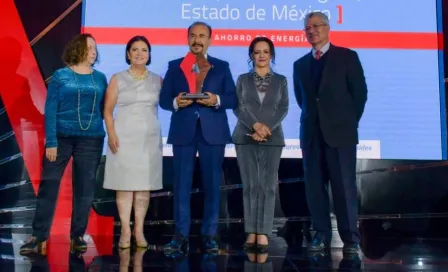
<point>102,255</point>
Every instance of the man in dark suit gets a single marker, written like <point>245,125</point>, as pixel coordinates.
<point>198,126</point>
<point>331,90</point>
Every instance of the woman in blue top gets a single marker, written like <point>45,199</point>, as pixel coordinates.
<point>73,128</point>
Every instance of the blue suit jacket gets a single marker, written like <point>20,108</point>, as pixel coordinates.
<point>215,127</point>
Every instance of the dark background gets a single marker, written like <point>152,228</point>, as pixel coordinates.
<point>39,14</point>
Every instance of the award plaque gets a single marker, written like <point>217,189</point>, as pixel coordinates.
<point>191,70</point>
<point>195,96</point>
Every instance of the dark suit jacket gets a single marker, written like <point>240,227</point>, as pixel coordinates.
<point>338,104</point>
<point>214,123</point>
<point>270,112</point>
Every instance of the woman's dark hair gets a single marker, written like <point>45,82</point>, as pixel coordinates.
<point>134,40</point>
<point>252,47</point>
<point>76,50</point>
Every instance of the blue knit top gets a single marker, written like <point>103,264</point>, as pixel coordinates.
<point>69,104</point>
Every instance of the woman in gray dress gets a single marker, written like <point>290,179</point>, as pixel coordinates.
<point>258,138</point>
<point>134,157</point>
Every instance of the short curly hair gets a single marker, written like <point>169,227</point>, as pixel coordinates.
<point>76,50</point>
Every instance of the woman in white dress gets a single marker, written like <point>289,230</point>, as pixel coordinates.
<point>134,157</point>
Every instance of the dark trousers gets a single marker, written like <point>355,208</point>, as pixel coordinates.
<point>323,163</point>
<point>86,153</point>
<point>258,166</point>
<point>211,158</point>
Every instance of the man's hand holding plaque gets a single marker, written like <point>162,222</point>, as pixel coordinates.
<point>183,102</point>
<point>211,101</point>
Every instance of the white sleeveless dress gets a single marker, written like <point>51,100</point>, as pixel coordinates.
<point>137,166</point>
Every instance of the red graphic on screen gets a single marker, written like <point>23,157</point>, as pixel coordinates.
<point>187,68</point>
<point>23,92</point>
<point>340,14</point>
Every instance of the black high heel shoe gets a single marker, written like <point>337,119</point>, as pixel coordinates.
<point>34,245</point>
<point>78,244</point>
<point>250,246</point>
<point>262,248</point>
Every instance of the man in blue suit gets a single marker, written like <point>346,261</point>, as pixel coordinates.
<point>198,126</point>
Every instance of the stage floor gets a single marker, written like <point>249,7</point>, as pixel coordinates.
<point>102,255</point>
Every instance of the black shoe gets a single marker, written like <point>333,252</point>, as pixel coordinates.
<point>319,244</point>
<point>179,243</point>
<point>78,244</point>
<point>250,247</point>
<point>262,248</point>
<point>34,246</point>
<point>350,249</point>
<point>210,245</point>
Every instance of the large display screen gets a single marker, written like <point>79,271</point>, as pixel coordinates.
<point>397,41</point>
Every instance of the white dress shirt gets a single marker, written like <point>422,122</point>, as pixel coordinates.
<point>323,50</point>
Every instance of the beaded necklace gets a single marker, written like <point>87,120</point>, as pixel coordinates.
<point>138,77</point>
<point>79,100</point>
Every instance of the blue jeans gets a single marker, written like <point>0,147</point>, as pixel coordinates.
<point>86,153</point>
